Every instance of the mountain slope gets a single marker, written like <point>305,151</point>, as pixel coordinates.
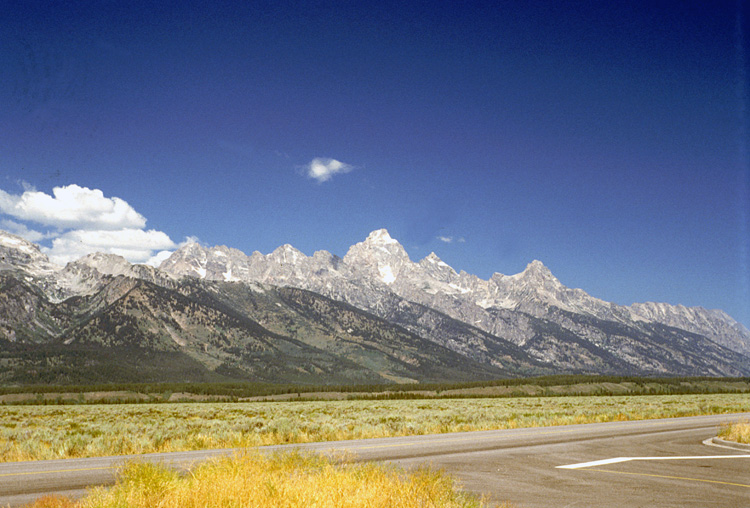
<point>371,316</point>
<point>343,330</point>
<point>199,330</point>
<point>531,309</point>
<point>153,318</point>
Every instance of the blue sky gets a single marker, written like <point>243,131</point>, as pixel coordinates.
<point>607,139</point>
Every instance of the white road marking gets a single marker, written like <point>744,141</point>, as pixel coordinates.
<point>596,463</point>
<point>615,460</point>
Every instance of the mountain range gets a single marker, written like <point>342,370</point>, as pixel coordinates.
<point>373,316</point>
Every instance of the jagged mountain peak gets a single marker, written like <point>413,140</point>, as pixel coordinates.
<point>106,264</point>
<point>378,243</point>
<point>535,290</point>
<point>536,265</point>
<point>379,256</point>
<point>192,247</point>
<point>189,260</point>
<point>432,258</point>
<point>435,267</point>
<point>286,254</point>
<point>714,324</point>
<point>561,327</point>
<point>537,270</point>
<point>17,252</point>
<point>535,274</point>
<point>380,237</point>
<point>287,248</point>
<point>188,250</point>
<point>534,270</point>
<point>223,250</point>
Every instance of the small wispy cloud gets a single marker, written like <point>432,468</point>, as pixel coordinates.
<point>451,239</point>
<point>322,170</point>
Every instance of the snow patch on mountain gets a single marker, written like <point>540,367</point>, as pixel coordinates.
<point>386,274</point>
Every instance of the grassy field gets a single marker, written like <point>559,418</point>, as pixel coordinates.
<point>286,481</point>
<point>739,432</point>
<point>51,432</point>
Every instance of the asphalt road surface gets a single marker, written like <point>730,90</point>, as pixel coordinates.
<point>650,463</point>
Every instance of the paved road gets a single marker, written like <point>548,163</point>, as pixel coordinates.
<point>528,473</point>
<point>519,465</point>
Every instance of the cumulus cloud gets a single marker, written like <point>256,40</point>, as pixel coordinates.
<point>83,221</point>
<point>135,245</point>
<point>71,207</point>
<point>323,170</point>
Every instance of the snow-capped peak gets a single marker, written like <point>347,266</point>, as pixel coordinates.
<point>381,237</point>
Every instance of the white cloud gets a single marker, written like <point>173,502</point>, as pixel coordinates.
<point>135,245</point>
<point>83,221</point>
<point>71,207</point>
<point>323,169</point>
<point>158,258</point>
<point>450,239</point>
<point>21,230</point>
<point>189,240</point>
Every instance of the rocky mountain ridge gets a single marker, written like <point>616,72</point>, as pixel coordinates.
<point>381,260</point>
<point>506,325</point>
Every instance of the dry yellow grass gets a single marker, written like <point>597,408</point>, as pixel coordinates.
<point>739,432</point>
<point>286,481</point>
<point>54,502</point>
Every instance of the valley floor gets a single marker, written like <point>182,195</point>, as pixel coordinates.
<point>32,432</point>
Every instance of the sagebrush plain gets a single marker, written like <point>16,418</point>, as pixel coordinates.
<point>52,432</point>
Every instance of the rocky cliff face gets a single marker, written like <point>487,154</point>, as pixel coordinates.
<point>715,324</point>
<point>514,324</point>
